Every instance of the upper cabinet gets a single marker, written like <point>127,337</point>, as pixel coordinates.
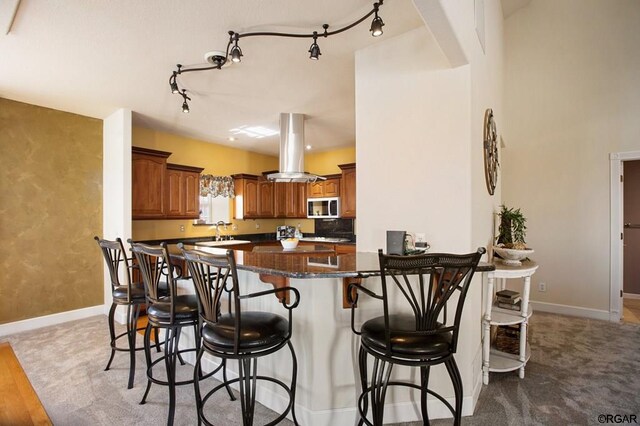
<point>348,190</point>
<point>160,190</point>
<point>325,188</point>
<point>182,191</point>
<point>265,198</point>
<point>246,199</point>
<point>258,198</point>
<point>148,169</point>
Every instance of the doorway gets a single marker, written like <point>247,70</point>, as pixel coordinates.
<point>631,245</point>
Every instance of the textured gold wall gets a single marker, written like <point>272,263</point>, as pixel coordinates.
<point>50,209</point>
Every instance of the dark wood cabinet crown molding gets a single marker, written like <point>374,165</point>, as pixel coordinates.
<point>150,152</point>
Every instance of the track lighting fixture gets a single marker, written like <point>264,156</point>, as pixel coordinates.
<point>234,53</point>
<point>377,23</point>
<point>185,98</point>
<point>314,50</point>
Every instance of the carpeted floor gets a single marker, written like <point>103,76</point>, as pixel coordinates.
<point>579,369</point>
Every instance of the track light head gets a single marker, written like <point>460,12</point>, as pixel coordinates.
<point>236,53</point>
<point>314,50</point>
<point>185,107</point>
<point>376,26</point>
<point>174,87</point>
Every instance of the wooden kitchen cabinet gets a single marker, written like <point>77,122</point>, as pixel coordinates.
<point>245,203</point>
<point>348,190</point>
<point>265,198</point>
<point>182,192</point>
<point>298,206</point>
<point>325,188</point>
<point>148,173</point>
<point>281,198</point>
<point>290,199</point>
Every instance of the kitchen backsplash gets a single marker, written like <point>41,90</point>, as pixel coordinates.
<point>334,227</point>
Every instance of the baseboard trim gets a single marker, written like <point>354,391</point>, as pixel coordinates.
<point>574,311</point>
<point>631,296</point>
<point>47,320</point>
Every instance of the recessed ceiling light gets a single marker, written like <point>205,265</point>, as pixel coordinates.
<point>231,139</point>
<point>308,147</point>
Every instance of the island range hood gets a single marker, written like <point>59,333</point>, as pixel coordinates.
<point>292,151</point>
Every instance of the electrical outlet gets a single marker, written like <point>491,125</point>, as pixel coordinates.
<point>420,237</point>
<point>234,227</point>
<point>181,228</point>
<point>257,226</point>
<point>542,287</point>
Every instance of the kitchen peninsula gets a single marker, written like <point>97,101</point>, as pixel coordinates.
<point>325,345</point>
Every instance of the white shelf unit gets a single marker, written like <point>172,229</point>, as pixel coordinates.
<point>494,360</point>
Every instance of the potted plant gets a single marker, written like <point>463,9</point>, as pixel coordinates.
<point>511,245</point>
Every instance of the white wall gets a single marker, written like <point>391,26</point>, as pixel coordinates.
<point>572,96</point>
<point>419,130</point>
<point>116,176</point>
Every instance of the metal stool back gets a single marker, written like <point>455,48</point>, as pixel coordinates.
<point>124,293</point>
<point>238,334</point>
<point>420,335</point>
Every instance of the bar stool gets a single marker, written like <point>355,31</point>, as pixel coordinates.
<point>128,294</point>
<point>168,311</point>
<point>421,338</point>
<point>238,334</point>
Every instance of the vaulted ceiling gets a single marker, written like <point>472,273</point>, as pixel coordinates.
<point>92,57</point>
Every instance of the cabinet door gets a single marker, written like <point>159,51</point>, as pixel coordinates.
<point>348,186</point>
<point>332,188</point>
<point>300,200</point>
<point>148,175</point>
<point>175,193</point>
<point>192,195</point>
<point>245,204</point>
<point>316,189</point>
<point>281,191</point>
<point>251,198</point>
<point>265,199</point>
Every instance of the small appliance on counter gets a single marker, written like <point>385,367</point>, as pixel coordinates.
<point>284,232</point>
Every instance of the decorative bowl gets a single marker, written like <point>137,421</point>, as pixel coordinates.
<point>512,257</point>
<point>289,243</point>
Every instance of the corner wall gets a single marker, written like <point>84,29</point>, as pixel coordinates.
<point>50,210</point>
<point>572,96</point>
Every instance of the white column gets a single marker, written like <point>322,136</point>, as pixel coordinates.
<point>116,183</point>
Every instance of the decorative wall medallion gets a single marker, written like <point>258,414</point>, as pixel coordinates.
<point>491,163</point>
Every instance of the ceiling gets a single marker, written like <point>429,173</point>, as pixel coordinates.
<point>92,57</point>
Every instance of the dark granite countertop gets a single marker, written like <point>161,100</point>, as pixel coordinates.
<point>317,265</point>
<point>254,238</point>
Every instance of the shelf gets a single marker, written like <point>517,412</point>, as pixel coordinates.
<point>502,316</point>
<point>502,361</point>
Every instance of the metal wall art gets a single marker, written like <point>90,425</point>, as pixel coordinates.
<point>491,162</point>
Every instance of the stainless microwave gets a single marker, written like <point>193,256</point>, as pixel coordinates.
<point>322,208</point>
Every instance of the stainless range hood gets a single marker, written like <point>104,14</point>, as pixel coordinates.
<point>292,151</point>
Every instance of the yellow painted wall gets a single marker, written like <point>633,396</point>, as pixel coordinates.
<point>326,163</point>
<point>50,210</point>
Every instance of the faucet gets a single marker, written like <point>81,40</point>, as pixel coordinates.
<point>220,222</point>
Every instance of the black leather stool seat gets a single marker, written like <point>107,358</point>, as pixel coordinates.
<point>258,331</point>
<point>137,293</point>
<point>405,340</point>
<point>185,308</point>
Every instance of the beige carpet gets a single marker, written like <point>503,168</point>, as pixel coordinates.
<point>579,369</point>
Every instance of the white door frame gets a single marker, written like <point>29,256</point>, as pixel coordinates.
<point>617,212</point>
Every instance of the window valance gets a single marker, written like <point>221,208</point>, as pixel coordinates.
<point>217,186</point>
